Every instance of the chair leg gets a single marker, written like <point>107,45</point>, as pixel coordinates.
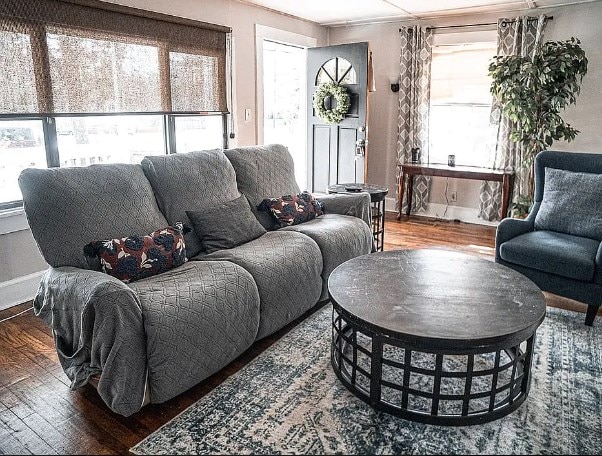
<point>591,314</point>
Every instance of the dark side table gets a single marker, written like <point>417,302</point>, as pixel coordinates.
<point>377,197</point>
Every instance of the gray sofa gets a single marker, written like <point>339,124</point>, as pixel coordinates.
<point>153,339</point>
<point>559,245</point>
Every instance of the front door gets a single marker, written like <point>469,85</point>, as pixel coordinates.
<point>337,153</point>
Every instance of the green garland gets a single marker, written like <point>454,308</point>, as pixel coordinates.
<point>336,115</point>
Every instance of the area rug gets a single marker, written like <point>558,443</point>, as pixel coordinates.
<point>289,401</point>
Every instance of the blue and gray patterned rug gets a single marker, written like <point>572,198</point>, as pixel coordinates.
<point>289,401</point>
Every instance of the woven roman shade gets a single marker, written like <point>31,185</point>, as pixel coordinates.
<point>86,56</point>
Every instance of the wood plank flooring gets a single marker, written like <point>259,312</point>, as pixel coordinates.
<point>39,414</point>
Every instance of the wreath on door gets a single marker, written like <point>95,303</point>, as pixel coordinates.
<point>339,93</point>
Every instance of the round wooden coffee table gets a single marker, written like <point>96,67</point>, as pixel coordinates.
<point>434,336</point>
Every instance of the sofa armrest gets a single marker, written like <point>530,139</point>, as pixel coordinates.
<point>97,325</point>
<point>510,228</point>
<point>355,204</point>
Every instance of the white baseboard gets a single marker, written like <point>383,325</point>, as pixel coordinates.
<point>19,290</point>
<point>436,210</point>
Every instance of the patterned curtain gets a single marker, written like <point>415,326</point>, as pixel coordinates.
<point>414,98</point>
<point>520,36</point>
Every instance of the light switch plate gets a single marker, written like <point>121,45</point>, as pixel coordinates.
<point>247,114</point>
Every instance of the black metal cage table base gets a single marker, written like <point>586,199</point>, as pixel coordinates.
<point>434,336</point>
<point>433,387</point>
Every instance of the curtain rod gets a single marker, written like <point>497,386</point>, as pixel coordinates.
<point>549,18</point>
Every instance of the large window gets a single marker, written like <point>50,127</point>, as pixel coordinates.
<point>461,104</point>
<point>84,83</point>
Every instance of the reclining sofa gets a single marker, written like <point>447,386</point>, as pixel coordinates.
<point>152,339</point>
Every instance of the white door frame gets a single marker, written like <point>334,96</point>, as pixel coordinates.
<point>263,32</point>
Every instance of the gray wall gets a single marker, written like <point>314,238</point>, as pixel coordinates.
<point>582,21</point>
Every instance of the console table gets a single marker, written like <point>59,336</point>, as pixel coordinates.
<point>459,172</point>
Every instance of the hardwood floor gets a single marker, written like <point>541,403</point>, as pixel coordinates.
<point>40,414</point>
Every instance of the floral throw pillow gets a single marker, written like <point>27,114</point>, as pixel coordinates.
<point>137,257</point>
<point>292,209</point>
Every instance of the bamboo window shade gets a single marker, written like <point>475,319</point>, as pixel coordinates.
<point>87,56</point>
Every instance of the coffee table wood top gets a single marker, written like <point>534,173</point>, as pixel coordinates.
<point>439,297</point>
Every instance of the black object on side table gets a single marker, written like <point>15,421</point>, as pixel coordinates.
<point>377,197</point>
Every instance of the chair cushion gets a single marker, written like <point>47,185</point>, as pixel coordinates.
<point>571,203</point>
<point>340,238</point>
<point>264,172</point>
<point>190,182</point>
<point>555,253</point>
<point>226,225</point>
<point>68,207</point>
<point>286,267</point>
<point>139,256</point>
<point>197,319</point>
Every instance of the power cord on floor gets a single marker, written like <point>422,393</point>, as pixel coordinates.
<point>437,218</point>
<point>16,315</point>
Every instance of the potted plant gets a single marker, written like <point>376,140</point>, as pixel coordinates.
<point>532,92</point>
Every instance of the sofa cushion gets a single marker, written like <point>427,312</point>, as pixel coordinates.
<point>226,225</point>
<point>264,172</point>
<point>286,267</point>
<point>69,207</point>
<point>197,319</point>
<point>555,253</point>
<point>138,257</point>
<point>340,238</point>
<point>571,203</point>
<point>190,182</point>
<point>291,210</point>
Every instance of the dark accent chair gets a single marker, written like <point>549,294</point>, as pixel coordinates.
<point>558,246</point>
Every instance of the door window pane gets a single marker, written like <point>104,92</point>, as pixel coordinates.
<point>21,146</point>
<point>283,102</point>
<point>84,141</point>
<point>199,133</point>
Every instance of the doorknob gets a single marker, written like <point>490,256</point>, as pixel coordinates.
<point>360,148</point>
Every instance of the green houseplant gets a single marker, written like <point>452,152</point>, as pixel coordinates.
<point>532,92</point>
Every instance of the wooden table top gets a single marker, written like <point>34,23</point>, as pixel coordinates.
<point>438,297</point>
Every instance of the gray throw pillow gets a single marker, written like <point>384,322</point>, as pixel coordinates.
<point>226,225</point>
<point>571,204</point>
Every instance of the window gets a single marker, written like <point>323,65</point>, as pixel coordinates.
<point>198,133</point>
<point>84,83</point>
<point>21,146</point>
<point>461,104</point>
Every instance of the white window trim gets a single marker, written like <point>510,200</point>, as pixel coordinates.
<point>13,220</point>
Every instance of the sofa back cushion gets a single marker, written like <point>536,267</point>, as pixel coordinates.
<point>190,182</point>
<point>263,172</point>
<point>571,203</point>
<point>69,207</point>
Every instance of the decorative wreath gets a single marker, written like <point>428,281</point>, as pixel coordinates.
<point>332,89</point>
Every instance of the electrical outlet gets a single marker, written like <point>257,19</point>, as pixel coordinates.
<point>453,196</point>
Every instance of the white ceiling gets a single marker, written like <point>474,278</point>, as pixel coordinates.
<point>341,12</point>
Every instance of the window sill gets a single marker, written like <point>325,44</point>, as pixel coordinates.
<point>13,220</point>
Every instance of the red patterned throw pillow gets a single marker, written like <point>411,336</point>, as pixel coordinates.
<point>137,257</point>
<point>292,209</point>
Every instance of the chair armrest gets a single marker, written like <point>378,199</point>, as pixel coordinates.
<point>510,228</point>
<point>598,266</point>
<point>355,204</point>
<point>97,325</point>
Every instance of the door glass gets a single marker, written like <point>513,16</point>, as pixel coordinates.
<point>283,102</point>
